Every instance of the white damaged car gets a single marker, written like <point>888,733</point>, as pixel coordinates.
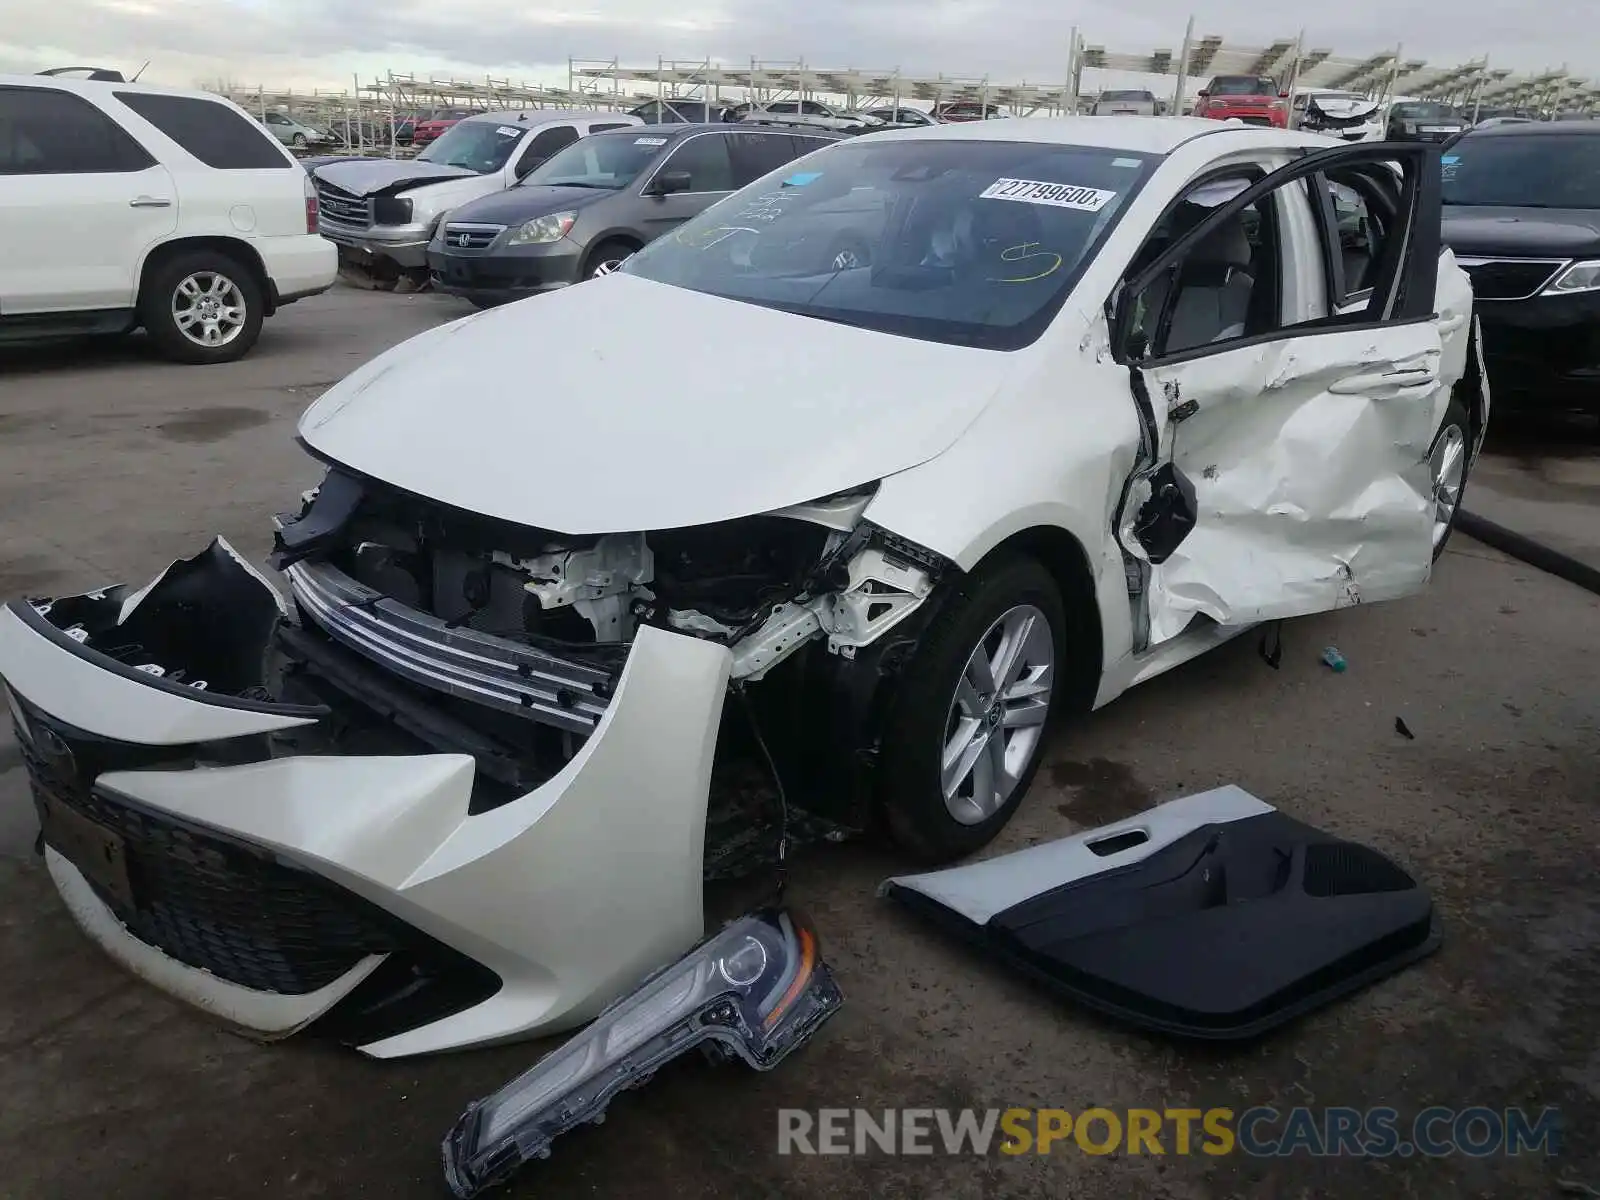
<point>998,421</point>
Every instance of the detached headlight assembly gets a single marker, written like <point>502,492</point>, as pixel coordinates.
<point>542,230</point>
<point>1579,277</point>
<point>757,991</point>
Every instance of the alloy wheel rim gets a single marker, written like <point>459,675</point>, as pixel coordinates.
<point>609,266</point>
<point>1448,467</point>
<point>208,309</point>
<point>995,723</point>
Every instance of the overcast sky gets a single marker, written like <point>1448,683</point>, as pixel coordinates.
<point>304,43</point>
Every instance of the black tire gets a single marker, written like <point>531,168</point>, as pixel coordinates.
<point>483,304</point>
<point>1458,418</point>
<point>160,288</point>
<point>911,796</point>
<point>612,250</point>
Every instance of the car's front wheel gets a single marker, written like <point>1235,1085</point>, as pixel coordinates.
<point>202,307</point>
<point>298,141</point>
<point>1448,463</point>
<point>968,729</point>
<point>606,258</point>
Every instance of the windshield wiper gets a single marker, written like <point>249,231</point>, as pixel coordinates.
<point>605,187</point>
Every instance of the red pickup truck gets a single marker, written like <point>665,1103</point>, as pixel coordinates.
<point>1254,99</point>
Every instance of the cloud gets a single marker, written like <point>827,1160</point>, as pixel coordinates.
<point>305,43</point>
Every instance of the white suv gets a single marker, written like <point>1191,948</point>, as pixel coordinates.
<point>813,114</point>
<point>125,205</point>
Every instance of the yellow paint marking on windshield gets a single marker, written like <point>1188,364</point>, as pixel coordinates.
<point>1027,252</point>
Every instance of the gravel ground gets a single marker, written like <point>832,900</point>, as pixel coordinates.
<point>112,463</point>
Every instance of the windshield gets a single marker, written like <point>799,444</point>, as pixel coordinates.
<point>1412,112</point>
<point>1242,85</point>
<point>1524,171</point>
<point>481,146</point>
<point>969,242</point>
<point>608,161</point>
<point>1126,96</point>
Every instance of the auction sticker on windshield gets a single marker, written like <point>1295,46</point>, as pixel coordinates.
<point>508,131</point>
<point>1060,195</point>
<point>649,141</point>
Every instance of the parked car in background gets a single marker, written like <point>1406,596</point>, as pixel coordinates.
<point>295,133</point>
<point>1522,213</point>
<point>1131,103</point>
<point>433,126</point>
<point>902,117</point>
<point>1491,122</point>
<point>584,211</point>
<point>347,132</point>
<point>1253,99</point>
<point>812,114</point>
<point>1349,116</point>
<point>121,206</point>
<point>682,111</point>
<point>382,212</point>
<point>957,112</point>
<point>1422,121</point>
<point>905,518</point>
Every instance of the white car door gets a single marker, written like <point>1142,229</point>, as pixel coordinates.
<point>1285,462</point>
<point>80,201</point>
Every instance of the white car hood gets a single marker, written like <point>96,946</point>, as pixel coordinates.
<point>621,404</point>
<point>1345,107</point>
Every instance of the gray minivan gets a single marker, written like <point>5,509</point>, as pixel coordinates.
<point>593,204</point>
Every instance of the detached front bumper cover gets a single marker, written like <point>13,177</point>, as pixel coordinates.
<point>758,990</point>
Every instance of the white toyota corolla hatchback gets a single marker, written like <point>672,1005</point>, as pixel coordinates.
<point>907,450</point>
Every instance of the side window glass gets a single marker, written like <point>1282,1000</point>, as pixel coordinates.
<point>705,158</point>
<point>1361,233</point>
<point>48,132</point>
<point>607,125</point>
<point>1226,286</point>
<point>543,144</point>
<point>755,154</point>
<point>814,109</point>
<point>217,135</point>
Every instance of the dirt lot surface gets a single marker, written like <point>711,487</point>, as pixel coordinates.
<point>111,464</point>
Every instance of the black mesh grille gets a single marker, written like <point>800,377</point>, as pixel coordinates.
<point>1510,280</point>
<point>222,907</point>
<point>1350,869</point>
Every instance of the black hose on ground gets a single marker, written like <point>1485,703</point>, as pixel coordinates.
<point>1535,554</point>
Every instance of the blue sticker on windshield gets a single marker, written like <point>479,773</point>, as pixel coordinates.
<point>1451,158</point>
<point>801,178</point>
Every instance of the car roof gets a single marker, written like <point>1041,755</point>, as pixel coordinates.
<point>543,116</point>
<point>683,129</point>
<point>1538,129</point>
<point>1143,135</point>
<point>96,87</point>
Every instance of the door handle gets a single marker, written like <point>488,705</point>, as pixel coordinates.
<point>1384,381</point>
<point>149,202</point>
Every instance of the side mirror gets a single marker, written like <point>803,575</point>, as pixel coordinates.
<point>1203,95</point>
<point>669,182</point>
<point>1283,95</point>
